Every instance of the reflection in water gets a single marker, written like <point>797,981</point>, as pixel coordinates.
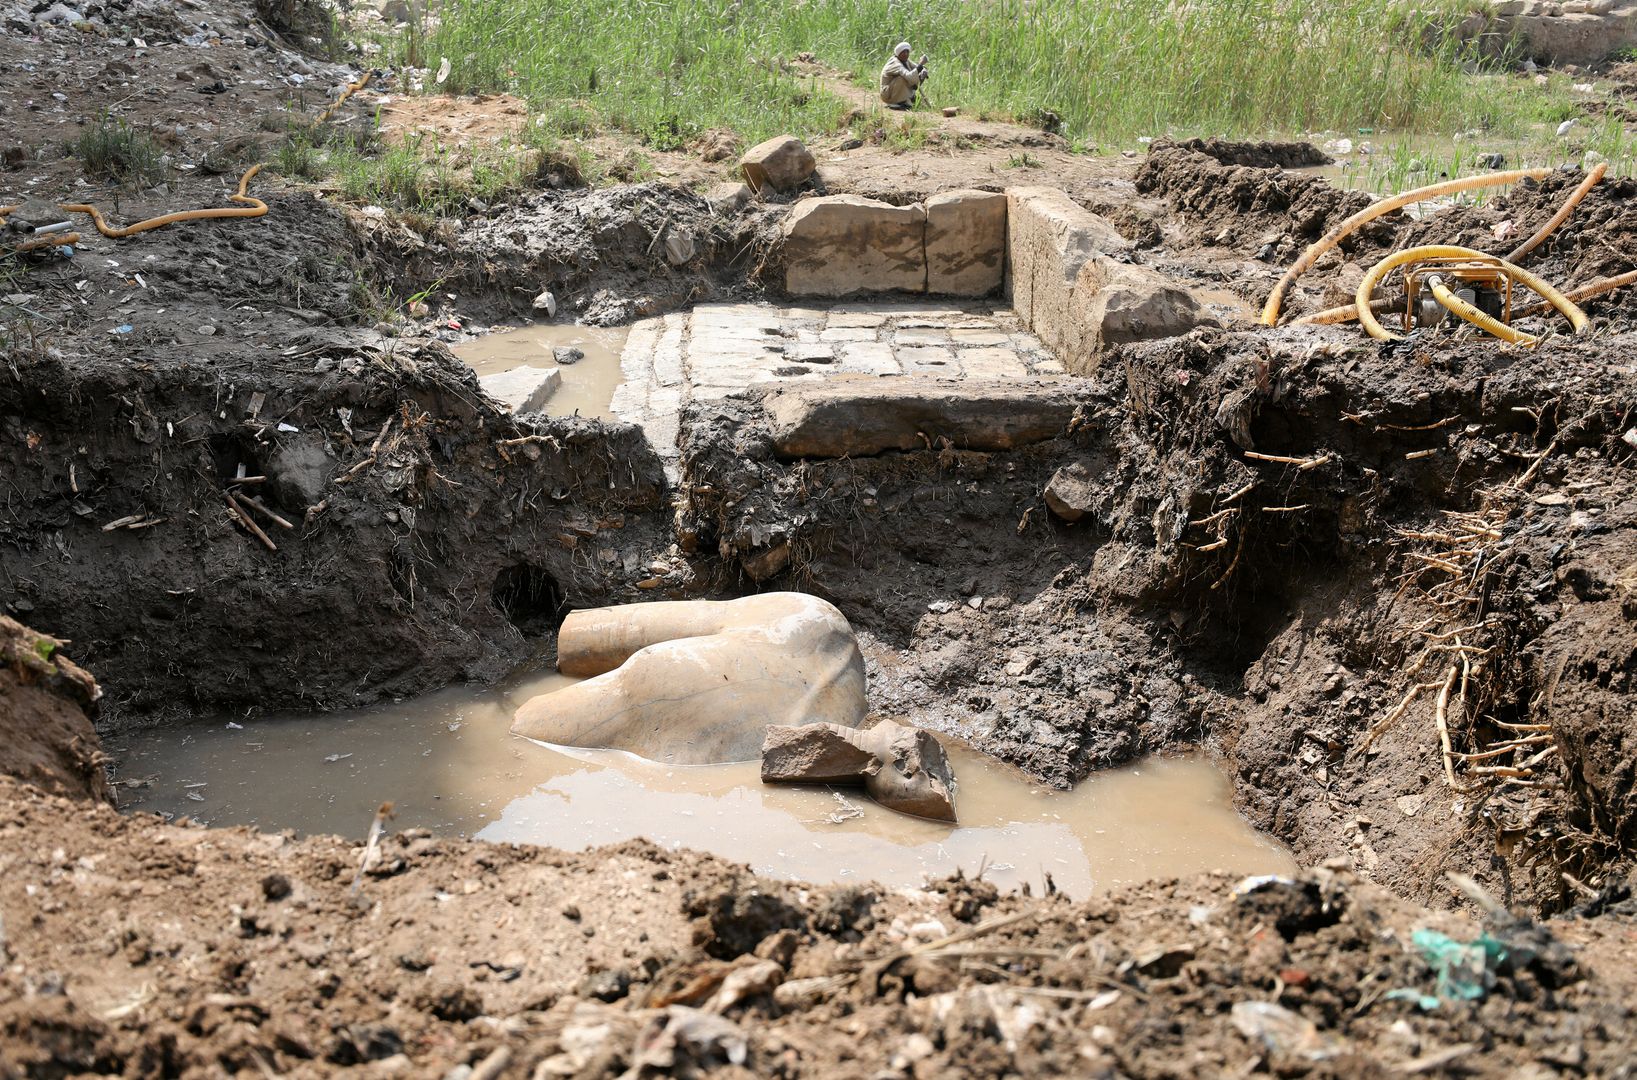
<point>448,764</point>
<point>588,385</point>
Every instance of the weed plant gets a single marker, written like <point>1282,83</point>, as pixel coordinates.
<point>111,149</point>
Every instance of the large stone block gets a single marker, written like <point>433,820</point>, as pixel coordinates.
<point>965,242</point>
<point>838,245</point>
<point>1114,303</point>
<point>857,417</point>
<point>523,389</point>
<point>782,163</point>
<point>1049,237</point>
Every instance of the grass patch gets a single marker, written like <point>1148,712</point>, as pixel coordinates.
<point>425,176</point>
<point>111,149</point>
<point>1104,72</point>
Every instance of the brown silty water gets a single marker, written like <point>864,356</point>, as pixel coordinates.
<point>447,763</point>
<point>588,385</point>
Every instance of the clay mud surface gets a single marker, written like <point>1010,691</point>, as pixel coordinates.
<point>1293,551</point>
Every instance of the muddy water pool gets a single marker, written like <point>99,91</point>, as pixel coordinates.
<point>448,763</point>
<point>588,385</point>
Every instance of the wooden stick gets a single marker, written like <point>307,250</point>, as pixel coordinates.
<point>255,504</point>
<point>1302,464</point>
<point>243,518</point>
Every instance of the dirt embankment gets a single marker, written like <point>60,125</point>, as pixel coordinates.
<point>282,957</point>
<point>1286,534</point>
<point>410,527</point>
<point>46,738</point>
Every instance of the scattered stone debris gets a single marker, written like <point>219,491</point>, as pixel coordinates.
<point>902,768</point>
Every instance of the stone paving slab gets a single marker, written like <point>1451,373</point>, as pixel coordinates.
<point>721,349</point>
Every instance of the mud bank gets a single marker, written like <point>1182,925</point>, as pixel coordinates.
<point>411,528</point>
<point>281,957</point>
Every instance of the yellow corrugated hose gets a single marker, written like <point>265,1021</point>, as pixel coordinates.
<point>251,207</point>
<point>1380,270</point>
<point>1477,318</point>
<point>1270,313</point>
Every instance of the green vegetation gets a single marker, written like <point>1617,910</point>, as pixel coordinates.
<point>114,150</point>
<point>1106,72</point>
<point>424,175</point>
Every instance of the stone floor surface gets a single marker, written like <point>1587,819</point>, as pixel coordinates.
<point>719,349</point>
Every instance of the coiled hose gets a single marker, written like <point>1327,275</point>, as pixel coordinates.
<point>252,207</point>
<point>1380,270</point>
<point>1270,313</point>
<point>1349,312</point>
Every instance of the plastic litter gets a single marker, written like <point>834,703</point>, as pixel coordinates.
<point>1283,1031</point>
<point>1465,970</point>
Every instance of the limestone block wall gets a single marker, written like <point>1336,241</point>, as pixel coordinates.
<point>1555,32</point>
<point>1068,272</point>
<point>839,245</point>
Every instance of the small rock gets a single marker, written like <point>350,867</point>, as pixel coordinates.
<point>679,248</point>
<point>764,564</point>
<point>729,197</point>
<point>1070,493</point>
<point>606,985</point>
<point>1021,665</point>
<point>567,354</point>
<point>782,162</point>
<point>547,303</point>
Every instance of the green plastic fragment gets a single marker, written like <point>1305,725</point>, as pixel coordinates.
<point>1465,970</point>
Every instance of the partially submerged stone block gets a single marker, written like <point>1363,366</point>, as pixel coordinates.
<point>838,245</point>
<point>902,768</point>
<point>814,754</point>
<point>861,417</point>
<point>965,242</point>
<point>782,163</point>
<point>523,389</point>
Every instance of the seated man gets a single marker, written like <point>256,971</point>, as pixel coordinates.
<point>900,78</point>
